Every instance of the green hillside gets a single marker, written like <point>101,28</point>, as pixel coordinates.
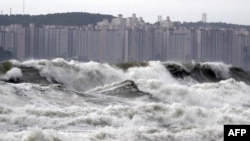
<point>72,19</point>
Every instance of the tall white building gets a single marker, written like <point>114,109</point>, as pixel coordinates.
<point>204,17</point>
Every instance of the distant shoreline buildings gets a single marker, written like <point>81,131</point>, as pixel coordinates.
<point>129,39</point>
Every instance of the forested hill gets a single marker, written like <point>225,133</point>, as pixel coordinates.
<point>72,19</point>
<point>83,19</point>
<point>213,24</point>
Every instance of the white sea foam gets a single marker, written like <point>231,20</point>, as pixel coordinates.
<point>220,69</point>
<point>14,73</point>
<point>177,111</point>
<point>37,134</point>
<point>76,75</point>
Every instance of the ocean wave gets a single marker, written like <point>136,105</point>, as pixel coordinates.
<point>70,100</point>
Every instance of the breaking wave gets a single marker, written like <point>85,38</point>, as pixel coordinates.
<point>93,74</point>
<point>70,100</point>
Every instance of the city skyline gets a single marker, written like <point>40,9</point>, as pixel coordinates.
<point>228,11</point>
<point>130,39</point>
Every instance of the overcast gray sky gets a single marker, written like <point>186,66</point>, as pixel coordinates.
<point>230,11</point>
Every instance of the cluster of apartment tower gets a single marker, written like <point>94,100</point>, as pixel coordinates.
<point>129,39</point>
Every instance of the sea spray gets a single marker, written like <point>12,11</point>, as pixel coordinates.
<point>96,101</point>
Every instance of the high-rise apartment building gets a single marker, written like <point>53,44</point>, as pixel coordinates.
<point>20,43</point>
<point>179,45</point>
<point>204,17</point>
<point>129,39</point>
<point>39,43</point>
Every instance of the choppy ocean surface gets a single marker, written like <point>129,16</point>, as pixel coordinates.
<point>59,100</point>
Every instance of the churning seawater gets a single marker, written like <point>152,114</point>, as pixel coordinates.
<point>59,100</point>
